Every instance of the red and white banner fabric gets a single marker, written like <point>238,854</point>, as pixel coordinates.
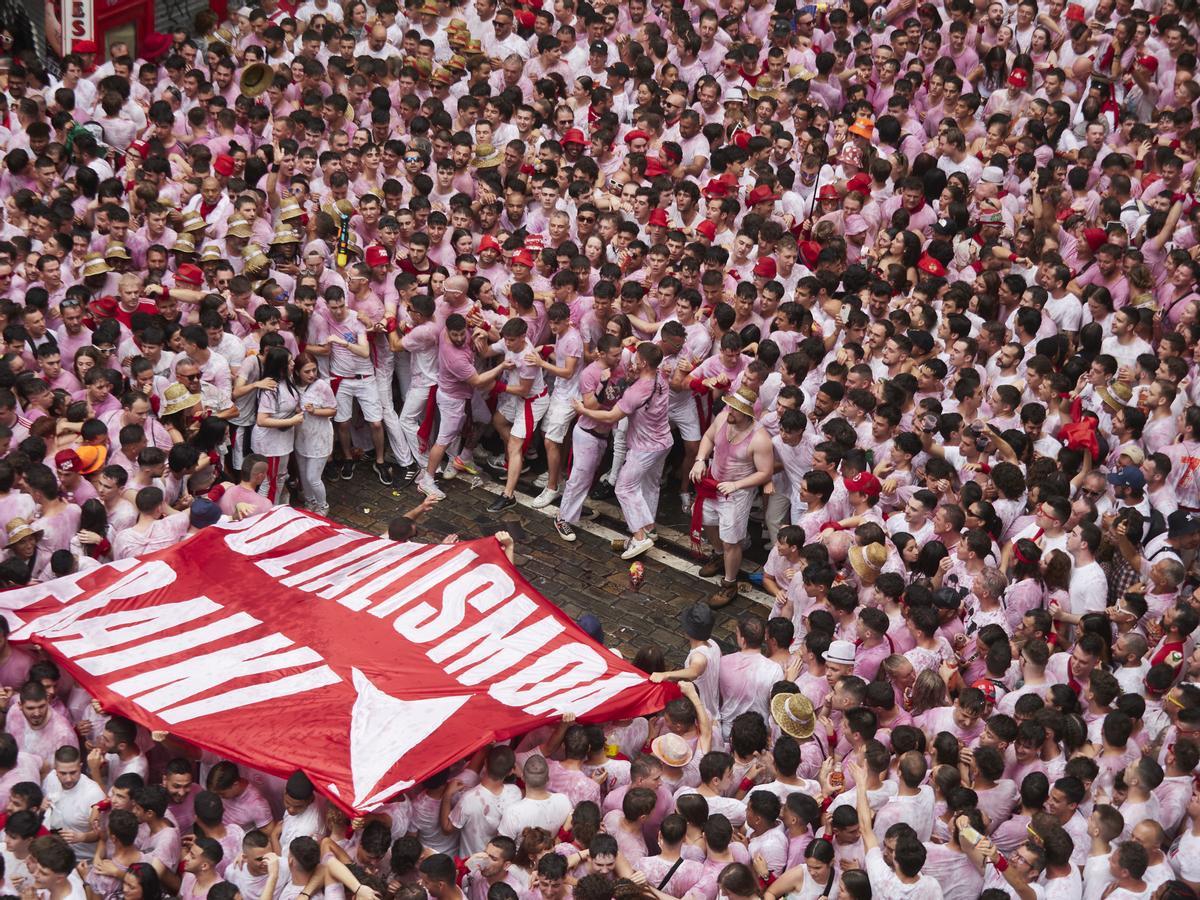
<point>287,642</point>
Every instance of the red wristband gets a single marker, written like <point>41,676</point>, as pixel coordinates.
<point>745,785</point>
<point>1001,863</point>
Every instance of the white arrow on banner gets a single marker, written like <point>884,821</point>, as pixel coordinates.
<point>383,729</point>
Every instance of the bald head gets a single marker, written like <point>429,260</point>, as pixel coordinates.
<point>455,285</point>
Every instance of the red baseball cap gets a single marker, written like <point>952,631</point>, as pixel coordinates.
<point>522,258</point>
<point>766,268</point>
<point>1018,78</point>
<point>658,216</point>
<point>708,229</point>
<point>574,136</point>
<point>224,164</point>
<point>487,242</point>
<point>524,18</point>
<point>377,256</point>
<point>67,461</point>
<point>105,307</point>
<point>931,266</point>
<point>84,47</point>
<point>860,183</point>
<point>190,273</point>
<point>863,483</point>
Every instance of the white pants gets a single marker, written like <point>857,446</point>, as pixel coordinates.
<point>412,414</point>
<point>638,486</point>
<point>311,468</point>
<point>273,485</point>
<point>619,450</point>
<point>587,451</point>
<point>776,513</point>
<point>385,371</point>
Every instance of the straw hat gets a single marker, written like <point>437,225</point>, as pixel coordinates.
<point>184,244</point>
<point>1116,395</point>
<point>743,401</point>
<point>192,221</point>
<point>17,530</point>
<point>289,208</point>
<point>671,750</point>
<point>487,156</point>
<point>255,259</point>
<point>211,253</point>
<point>116,251</point>
<point>239,227</point>
<point>868,561</point>
<point>177,398</point>
<point>285,234</point>
<point>94,264</point>
<point>794,715</point>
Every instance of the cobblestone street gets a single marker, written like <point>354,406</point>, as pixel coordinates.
<point>581,577</point>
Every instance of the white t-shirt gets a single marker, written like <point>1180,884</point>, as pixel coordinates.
<point>549,813</point>
<point>477,813</point>
<point>72,810</point>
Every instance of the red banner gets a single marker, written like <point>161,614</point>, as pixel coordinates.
<point>287,642</point>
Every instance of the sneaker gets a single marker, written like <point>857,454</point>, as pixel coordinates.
<point>545,498</point>
<point>542,480</point>
<point>531,452</point>
<point>496,461</point>
<point>501,503</point>
<point>636,548</point>
<point>727,594</point>
<point>565,531</point>
<point>409,474</point>
<point>382,473</point>
<point>449,473</point>
<point>713,565</point>
<point>465,466</point>
<point>603,491</point>
<point>426,486</point>
<point>587,513</point>
<point>347,469</point>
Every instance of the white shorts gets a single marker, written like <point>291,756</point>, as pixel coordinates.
<point>558,420</point>
<point>730,514</point>
<point>366,392</point>
<point>513,407</point>
<point>686,418</point>
<point>452,417</point>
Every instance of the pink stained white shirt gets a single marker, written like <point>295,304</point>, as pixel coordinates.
<point>746,679</point>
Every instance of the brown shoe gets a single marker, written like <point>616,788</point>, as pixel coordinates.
<point>726,595</point>
<point>714,565</point>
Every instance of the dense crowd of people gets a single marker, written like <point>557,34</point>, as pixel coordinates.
<point>911,283</point>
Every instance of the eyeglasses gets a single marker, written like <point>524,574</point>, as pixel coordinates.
<point>66,304</point>
<point>412,159</point>
<point>189,377</point>
<point>583,220</point>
